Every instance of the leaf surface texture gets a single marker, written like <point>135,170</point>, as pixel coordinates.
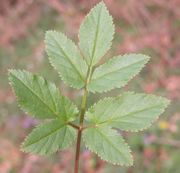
<point>66,59</point>
<point>96,34</point>
<point>48,138</point>
<point>108,144</point>
<point>129,111</point>
<point>117,72</point>
<point>39,97</point>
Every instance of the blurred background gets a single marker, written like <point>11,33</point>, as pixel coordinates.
<point>147,26</point>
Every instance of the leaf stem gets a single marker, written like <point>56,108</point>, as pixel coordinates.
<point>76,167</point>
<point>81,120</point>
<point>78,145</point>
<point>74,125</point>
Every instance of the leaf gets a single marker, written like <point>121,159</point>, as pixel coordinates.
<point>96,34</point>
<point>67,110</point>
<point>117,72</point>
<point>108,145</point>
<point>48,138</point>
<point>66,59</point>
<point>129,111</point>
<point>40,97</point>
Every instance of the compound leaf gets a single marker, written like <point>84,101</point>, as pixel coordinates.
<point>108,145</point>
<point>66,59</point>
<point>49,137</point>
<point>40,97</point>
<point>96,34</point>
<point>129,111</point>
<point>117,72</point>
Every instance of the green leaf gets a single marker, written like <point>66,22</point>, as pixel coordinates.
<point>66,59</point>
<point>129,111</point>
<point>67,109</point>
<point>108,145</point>
<point>48,138</point>
<point>96,34</point>
<point>40,97</point>
<point>117,72</point>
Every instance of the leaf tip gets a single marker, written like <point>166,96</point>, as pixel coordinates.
<point>11,72</point>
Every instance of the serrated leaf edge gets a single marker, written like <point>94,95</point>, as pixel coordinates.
<point>18,103</point>
<point>112,23</point>
<point>116,87</point>
<point>21,107</point>
<point>34,129</point>
<point>50,61</point>
<point>131,92</point>
<point>108,161</point>
<point>156,119</point>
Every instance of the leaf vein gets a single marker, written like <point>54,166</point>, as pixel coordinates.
<point>68,58</point>
<point>36,95</point>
